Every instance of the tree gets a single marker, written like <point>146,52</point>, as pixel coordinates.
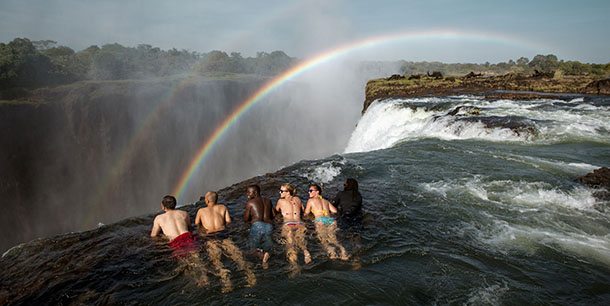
<point>21,65</point>
<point>215,61</point>
<point>544,63</point>
<point>42,45</point>
<point>110,63</point>
<point>523,61</point>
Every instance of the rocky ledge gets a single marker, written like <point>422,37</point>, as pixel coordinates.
<point>508,86</point>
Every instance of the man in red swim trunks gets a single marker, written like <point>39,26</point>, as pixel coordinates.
<point>174,224</point>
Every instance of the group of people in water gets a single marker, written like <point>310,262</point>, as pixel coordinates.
<point>212,221</point>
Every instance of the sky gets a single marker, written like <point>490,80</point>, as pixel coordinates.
<point>451,31</point>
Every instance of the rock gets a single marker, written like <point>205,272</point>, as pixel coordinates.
<point>469,110</point>
<point>437,75</point>
<point>472,75</point>
<point>521,126</point>
<point>395,77</point>
<point>598,178</point>
<point>507,86</point>
<point>599,87</point>
<point>541,74</point>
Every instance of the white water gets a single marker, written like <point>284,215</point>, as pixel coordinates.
<point>389,122</point>
<point>522,238</point>
<point>527,216</point>
<point>324,172</point>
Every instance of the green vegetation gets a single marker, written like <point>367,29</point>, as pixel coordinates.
<point>541,63</point>
<point>31,64</point>
<point>26,64</point>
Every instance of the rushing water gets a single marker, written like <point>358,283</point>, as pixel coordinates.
<point>467,201</point>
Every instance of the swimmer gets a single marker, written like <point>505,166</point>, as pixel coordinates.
<point>212,221</point>
<point>326,226</point>
<point>293,229</point>
<point>175,226</point>
<point>259,213</point>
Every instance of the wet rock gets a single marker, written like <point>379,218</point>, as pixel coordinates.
<point>598,178</point>
<point>467,110</point>
<point>519,125</point>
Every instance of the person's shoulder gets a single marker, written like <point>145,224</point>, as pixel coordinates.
<point>221,207</point>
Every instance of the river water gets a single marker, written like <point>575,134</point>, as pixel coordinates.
<point>466,201</point>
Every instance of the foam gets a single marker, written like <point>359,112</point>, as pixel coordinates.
<point>325,172</point>
<point>487,295</point>
<point>573,169</point>
<point>389,122</point>
<point>531,239</point>
<point>517,194</point>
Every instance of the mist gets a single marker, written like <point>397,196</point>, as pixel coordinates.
<point>98,152</point>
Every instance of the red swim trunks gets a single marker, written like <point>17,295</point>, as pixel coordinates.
<point>183,245</point>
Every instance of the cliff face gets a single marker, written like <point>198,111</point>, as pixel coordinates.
<point>76,155</point>
<point>493,87</point>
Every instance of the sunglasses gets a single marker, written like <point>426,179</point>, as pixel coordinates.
<point>282,191</point>
<point>311,190</point>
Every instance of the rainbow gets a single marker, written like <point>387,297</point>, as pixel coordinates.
<point>322,58</point>
<point>143,130</point>
<point>141,133</point>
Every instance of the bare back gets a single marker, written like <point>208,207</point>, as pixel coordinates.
<point>290,209</point>
<point>172,223</point>
<point>213,218</point>
<point>258,209</point>
<point>320,207</point>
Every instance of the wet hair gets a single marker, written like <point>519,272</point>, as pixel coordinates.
<point>212,196</point>
<point>351,185</point>
<point>291,189</point>
<point>256,188</point>
<point>318,188</point>
<point>169,202</point>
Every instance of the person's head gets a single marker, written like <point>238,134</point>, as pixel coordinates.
<point>169,202</point>
<point>314,190</point>
<point>211,197</point>
<point>287,189</point>
<point>253,191</point>
<point>350,184</point>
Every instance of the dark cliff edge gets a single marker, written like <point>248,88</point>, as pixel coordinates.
<point>508,86</point>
